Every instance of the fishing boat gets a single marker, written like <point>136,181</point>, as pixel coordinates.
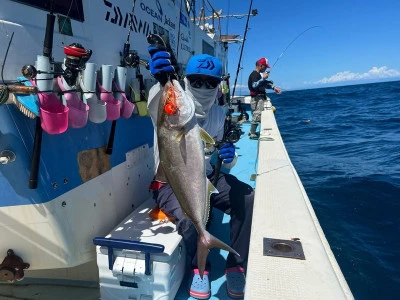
<point>76,153</point>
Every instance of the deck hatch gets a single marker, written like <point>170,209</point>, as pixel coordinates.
<point>283,248</point>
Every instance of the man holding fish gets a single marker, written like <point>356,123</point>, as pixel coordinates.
<point>187,123</point>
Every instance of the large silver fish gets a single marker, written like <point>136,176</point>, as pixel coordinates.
<point>181,153</point>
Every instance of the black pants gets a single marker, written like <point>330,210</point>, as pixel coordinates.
<point>235,198</point>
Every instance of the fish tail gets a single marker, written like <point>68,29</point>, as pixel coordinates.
<point>205,242</point>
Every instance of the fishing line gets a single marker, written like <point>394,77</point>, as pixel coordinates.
<point>69,11</point>
<point>287,47</point>
<point>179,33</point>
<point>127,42</point>
<point>80,16</point>
<point>133,14</point>
<point>5,58</point>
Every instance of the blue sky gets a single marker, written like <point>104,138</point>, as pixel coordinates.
<point>356,41</point>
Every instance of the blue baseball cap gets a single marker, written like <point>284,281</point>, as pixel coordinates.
<point>204,64</point>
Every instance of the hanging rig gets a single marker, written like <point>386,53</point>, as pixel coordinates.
<point>216,17</point>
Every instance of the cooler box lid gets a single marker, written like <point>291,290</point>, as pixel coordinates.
<point>138,226</point>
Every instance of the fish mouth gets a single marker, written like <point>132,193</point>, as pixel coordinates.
<point>177,107</point>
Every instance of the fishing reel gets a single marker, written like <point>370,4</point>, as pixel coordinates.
<point>29,71</point>
<point>226,76</point>
<point>76,56</point>
<point>75,60</point>
<point>131,59</point>
<point>232,134</point>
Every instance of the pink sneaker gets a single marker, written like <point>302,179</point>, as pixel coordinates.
<point>235,282</point>
<point>199,289</point>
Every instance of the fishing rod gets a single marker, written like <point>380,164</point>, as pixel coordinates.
<point>287,47</point>
<point>37,143</point>
<point>179,35</point>
<point>241,51</point>
<point>6,88</point>
<point>128,59</point>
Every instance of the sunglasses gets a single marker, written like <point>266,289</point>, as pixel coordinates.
<point>198,82</point>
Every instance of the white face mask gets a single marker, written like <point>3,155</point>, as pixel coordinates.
<point>203,98</point>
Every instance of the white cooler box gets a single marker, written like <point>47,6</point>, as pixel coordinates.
<point>154,270</point>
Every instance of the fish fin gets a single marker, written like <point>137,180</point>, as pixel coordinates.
<point>204,243</point>
<point>180,136</point>
<point>160,174</point>
<point>206,137</point>
<point>211,189</point>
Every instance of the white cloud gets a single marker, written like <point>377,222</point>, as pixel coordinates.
<point>241,86</point>
<point>374,73</point>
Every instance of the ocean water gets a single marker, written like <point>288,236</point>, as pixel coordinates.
<point>345,145</point>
